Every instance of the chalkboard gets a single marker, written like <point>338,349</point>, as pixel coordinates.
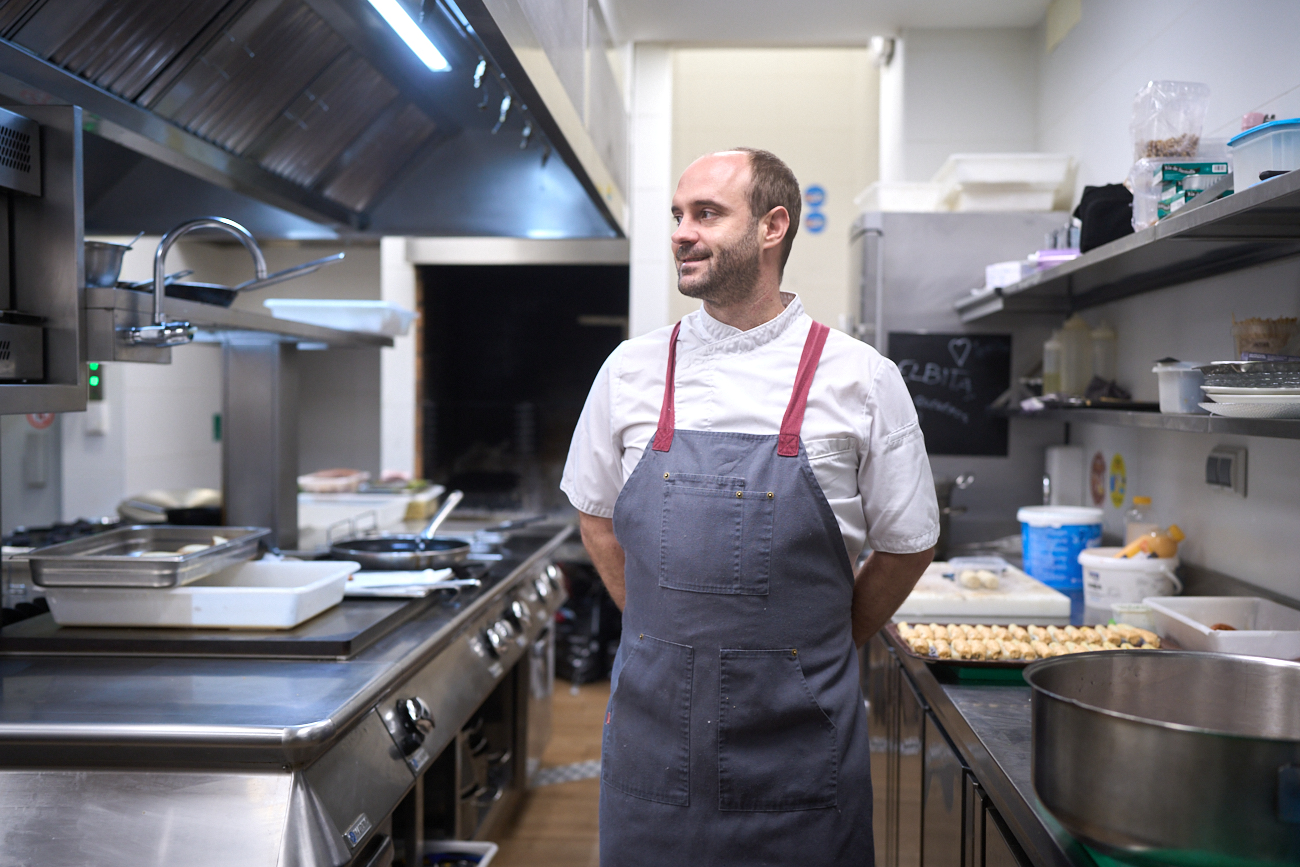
<point>953,378</point>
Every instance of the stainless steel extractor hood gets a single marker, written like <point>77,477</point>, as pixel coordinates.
<point>313,107</point>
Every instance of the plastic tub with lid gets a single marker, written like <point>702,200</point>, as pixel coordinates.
<point>1108,579</point>
<point>1052,537</point>
<point>1180,386</point>
<point>1269,147</point>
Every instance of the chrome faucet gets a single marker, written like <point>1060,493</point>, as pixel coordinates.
<point>162,332</point>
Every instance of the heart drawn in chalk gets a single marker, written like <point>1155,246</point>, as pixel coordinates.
<point>959,348</point>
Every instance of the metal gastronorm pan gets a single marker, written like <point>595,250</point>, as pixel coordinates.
<point>1172,758</point>
<point>113,559</point>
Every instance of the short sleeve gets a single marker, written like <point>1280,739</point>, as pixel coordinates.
<point>593,475</point>
<point>898,498</point>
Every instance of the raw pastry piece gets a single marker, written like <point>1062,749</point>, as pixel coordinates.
<point>999,632</point>
<point>954,632</point>
<point>1073,647</point>
<point>941,649</point>
<point>960,648</point>
<point>923,631</point>
<point>992,650</point>
<point>1071,633</point>
<point>1090,635</point>
<point>920,646</point>
<point>969,579</point>
<point>983,632</point>
<point>1040,648</point>
<point>1027,650</point>
<point>968,631</point>
<point>1149,638</point>
<point>905,631</point>
<point>987,579</point>
<point>1018,632</point>
<point>1056,634</point>
<point>1010,649</point>
<point>1039,633</point>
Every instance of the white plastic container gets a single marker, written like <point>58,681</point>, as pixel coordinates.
<point>1108,579</point>
<point>1261,628</point>
<point>1180,386</point>
<point>1269,147</point>
<point>1007,181</point>
<point>373,317</point>
<point>257,595</point>
<point>1052,537</point>
<point>903,196</point>
<point>484,851</point>
<point>1076,355</point>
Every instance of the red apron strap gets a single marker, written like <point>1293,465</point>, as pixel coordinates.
<point>663,440</point>
<point>788,442</point>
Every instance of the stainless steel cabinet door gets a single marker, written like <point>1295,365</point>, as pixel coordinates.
<point>1000,848</point>
<point>942,813</point>
<point>881,673</point>
<point>911,740</point>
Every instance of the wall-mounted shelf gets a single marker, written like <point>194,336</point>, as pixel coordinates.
<point>1257,225</point>
<point>1213,424</point>
<point>109,310</point>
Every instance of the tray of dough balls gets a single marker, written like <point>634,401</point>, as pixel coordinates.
<point>1013,646</point>
<point>982,589</point>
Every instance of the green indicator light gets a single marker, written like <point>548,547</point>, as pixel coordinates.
<point>94,381</point>
<point>94,365</point>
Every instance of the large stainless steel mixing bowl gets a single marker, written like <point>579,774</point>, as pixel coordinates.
<point>1171,757</point>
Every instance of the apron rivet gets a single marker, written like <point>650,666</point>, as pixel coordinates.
<point>770,495</point>
<point>642,635</point>
<point>740,493</point>
<point>794,652</point>
<point>665,475</point>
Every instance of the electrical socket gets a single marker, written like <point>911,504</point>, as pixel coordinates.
<point>1225,469</point>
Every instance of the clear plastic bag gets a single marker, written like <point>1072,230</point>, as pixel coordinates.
<point>1167,118</point>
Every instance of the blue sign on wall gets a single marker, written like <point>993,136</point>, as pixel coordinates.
<point>813,219</point>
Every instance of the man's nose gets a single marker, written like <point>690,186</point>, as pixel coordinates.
<point>685,233</point>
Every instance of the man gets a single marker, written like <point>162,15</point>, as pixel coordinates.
<point>729,471</point>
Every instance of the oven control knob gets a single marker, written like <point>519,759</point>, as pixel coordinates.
<point>553,576</point>
<point>519,615</point>
<point>416,720</point>
<point>498,637</point>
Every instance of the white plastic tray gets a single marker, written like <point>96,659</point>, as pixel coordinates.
<point>1263,628</point>
<point>257,595</point>
<point>374,317</point>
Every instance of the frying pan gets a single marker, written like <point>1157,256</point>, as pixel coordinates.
<point>407,551</point>
<point>224,296</point>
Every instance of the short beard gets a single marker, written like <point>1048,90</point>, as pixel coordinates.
<point>732,276</point>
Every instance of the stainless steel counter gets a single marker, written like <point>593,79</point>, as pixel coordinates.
<point>989,724</point>
<point>148,760</point>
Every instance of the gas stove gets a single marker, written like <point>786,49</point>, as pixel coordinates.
<point>39,537</point>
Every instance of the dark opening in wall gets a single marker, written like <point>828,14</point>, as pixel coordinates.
<point>509,354</point>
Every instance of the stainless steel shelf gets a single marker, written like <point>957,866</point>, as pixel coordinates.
<point>1213,424</point>
<point>228,323</point>
<point>1257,225</point>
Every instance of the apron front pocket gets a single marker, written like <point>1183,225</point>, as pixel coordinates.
<point>776,746</point>
<point>716,535</point>
<point>646,749</point>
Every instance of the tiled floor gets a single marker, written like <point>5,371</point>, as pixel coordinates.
<point>557,824</point>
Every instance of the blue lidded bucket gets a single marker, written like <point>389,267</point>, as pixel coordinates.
<point>1052,537</point>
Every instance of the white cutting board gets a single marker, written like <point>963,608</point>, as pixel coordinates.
<point>1018,597</point>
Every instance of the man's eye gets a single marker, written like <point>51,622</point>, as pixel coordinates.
<point>677,219</point>
<point>706,214</point>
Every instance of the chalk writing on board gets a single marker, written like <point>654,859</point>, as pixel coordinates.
<point>952,379</point>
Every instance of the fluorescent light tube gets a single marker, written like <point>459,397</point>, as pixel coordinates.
<point>411,34</point>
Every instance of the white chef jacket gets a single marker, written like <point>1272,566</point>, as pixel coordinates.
<point>859,430</point>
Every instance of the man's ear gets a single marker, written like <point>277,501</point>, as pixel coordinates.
<point>776,223</point>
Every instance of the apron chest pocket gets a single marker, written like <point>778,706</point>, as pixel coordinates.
<point>646,749</point>
<point>716,535</point>
<point>776,746</point>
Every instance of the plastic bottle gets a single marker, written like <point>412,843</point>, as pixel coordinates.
<point>1137,520</point>
<point>1076,355</point>
<point>1103,352</point>
<point>1052,364</point>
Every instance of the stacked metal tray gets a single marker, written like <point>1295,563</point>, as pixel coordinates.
<point>118,558</point>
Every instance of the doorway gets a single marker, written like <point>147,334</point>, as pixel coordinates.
<point>509,353</point>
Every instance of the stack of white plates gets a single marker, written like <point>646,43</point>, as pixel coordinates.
<point>1252,389</point>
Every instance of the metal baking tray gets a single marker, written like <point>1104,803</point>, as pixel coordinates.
<point>113,559</point>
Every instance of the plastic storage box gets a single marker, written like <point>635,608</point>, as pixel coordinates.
<point>258,595</point>
<point>901,196</point>
<point>374,317</point>
<point>1180,386</point>
<point>1007,182</point>
<point>1260,627</point>
<point>1053,536</point>
<point>1269,147</point>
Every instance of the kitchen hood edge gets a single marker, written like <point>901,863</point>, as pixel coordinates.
<point>531,74</point>
<point>28,78</point>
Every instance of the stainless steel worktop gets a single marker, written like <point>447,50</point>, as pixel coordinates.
<point>209,712</point>
<point>990,726</point>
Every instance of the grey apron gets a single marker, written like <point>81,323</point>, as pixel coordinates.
<point>735,732</point>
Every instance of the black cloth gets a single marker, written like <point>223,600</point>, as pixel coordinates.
<point>1106,213</point>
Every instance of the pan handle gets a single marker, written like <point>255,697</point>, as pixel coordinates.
<point>288,273</point>
<point>453,500</point>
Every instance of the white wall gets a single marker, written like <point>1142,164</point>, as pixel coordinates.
<point>817,109</point>
<point>963,91</point>
<point>1245,52</point>
<point>650,138</point>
